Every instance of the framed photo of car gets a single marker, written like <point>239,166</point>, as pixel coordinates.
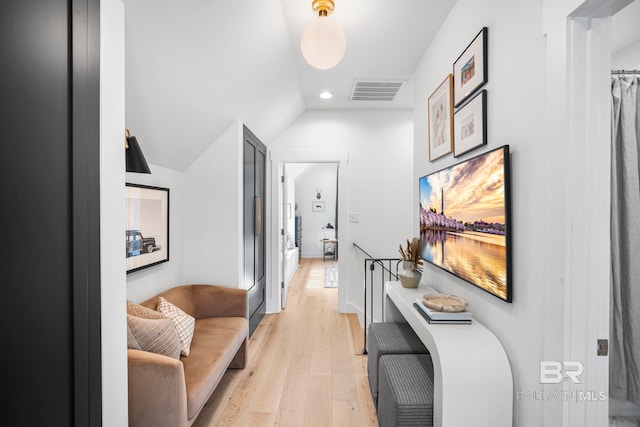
<point>147,226</point>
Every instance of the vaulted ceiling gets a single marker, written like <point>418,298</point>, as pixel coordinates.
<point>195,66</point>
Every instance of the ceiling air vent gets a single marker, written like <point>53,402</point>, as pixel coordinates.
<point>370,90</point>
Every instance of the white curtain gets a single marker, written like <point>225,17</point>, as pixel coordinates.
<point>624,378</point>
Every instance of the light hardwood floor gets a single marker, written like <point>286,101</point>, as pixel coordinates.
<point>306,366</point>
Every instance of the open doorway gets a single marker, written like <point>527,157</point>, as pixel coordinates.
<point>309,218</point>
<point>625,65</point>
<point>323,172</point>
<point>592,54</point>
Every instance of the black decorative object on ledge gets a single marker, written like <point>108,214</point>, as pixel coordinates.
<point>134,157</point>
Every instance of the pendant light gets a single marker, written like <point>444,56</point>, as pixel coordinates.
<point>323,42</point>
<point>133,154</point>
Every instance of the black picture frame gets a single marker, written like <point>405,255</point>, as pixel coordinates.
<point>471,69</point>
<point>470,125</point>
<point>147,226</point>
<point>466,225</point>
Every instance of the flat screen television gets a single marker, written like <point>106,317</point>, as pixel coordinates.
<point>465,221</point>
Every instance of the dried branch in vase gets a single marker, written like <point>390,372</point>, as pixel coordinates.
<point>412,253</point>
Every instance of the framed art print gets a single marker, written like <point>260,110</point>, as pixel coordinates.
<point>470,125</point>
<point>147,226</point>
<point>317,206</point>
<point>440,114</point>
<point>470,71</point>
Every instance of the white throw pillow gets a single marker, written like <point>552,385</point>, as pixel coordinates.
<point>184,323</point>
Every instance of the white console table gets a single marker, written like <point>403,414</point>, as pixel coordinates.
<point>473,385</point>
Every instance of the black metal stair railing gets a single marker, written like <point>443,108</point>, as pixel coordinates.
<point>388,268</point>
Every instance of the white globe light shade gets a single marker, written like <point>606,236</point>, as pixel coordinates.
<point>323,43</point>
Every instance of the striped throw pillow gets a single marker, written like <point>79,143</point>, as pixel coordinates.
<point>131,340</point>
<point>155,335</point>
<point>184,323</point>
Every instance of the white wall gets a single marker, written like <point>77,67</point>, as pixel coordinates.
<point>625,38</point>
<point>553,185</point>
<point>379,145</point>
<point>112,275</point>
<point>323,177</point>
<point>213,188</point>
<point>205,220</point>
<point>627,58</point>
<point>147,282</point>
<point>516,114</point>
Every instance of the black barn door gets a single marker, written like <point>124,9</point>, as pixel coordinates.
<point>50,212</point>
<point>254,226</point>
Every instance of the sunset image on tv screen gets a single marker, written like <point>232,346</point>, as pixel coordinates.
<point>463,220</point>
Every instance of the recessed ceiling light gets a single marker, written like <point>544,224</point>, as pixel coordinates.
<point>326,95</point>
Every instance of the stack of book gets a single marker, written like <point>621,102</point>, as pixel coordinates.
<point>442,317</point>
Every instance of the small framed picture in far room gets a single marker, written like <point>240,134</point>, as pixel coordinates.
<point>440,107</point>
<point>470,125</point>
<point>470,71</point>
<point>317,206</point>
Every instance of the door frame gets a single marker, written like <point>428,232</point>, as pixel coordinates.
<point>275,159</point>
<point>587,253</point>
<point>579,64</point>
<point>85,211</point>
<point>284,226</point>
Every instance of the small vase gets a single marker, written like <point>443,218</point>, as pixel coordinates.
<point>409,278</point>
